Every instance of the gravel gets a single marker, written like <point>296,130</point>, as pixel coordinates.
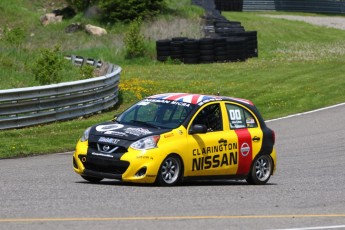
<point>332,22</point>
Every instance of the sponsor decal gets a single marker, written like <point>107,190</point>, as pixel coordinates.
<point>168,135</point>
<point>215,161</point>
<point>215,149</point>
<point>245,149</point>
<point>137,131</point>
<point>101,154</point>
<point>105,128</point>
<point>108,140</point>
<point>216,156</point>
<point>185,104</point>
<point>116,133</point>
<point>180,103</point>
<point>246,156</point>
<point>209,100</point>
<point>144,103</point>
<point>143,157</point>
<point>250,120</point>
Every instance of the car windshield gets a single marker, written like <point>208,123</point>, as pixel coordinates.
<point>155,113</point>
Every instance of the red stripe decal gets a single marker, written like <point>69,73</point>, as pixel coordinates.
<point>244,151</point>
<point>195,99</point>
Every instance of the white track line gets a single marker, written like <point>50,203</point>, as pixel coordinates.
<point>313,111</point>
<point>314,228</point>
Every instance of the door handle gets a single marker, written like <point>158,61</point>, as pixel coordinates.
<point>255,139</point>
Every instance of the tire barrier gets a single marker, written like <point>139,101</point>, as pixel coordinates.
<point>236,47</point>
<point>30,106</point>
<point>225,41</point>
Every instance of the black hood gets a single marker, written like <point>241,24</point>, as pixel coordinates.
<point>115,133</point>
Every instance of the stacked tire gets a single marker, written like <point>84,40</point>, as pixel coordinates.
<point>221,50</point>
<point>237,49</point>
<point>176,48</point>
<point>206,50</point>
<point>163,49</point>
<point>224,28</point>
<point>251,40</point>
<point>191,51</point>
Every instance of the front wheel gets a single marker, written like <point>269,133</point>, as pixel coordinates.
<point>170,171</point>
<point>261,170</point>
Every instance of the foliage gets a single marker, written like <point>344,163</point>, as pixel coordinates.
<point>81,5</point>
<point>15,36</point>
<point>86,71</point>
<point>126,11</point>
<point>48,66</point>
<point>134,40</point>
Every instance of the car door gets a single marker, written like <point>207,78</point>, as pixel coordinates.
<point>210,152</point>
<point>244,124</point>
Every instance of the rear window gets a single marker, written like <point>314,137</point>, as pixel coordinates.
<point>240,117</point>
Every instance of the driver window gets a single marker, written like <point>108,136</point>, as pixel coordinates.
<point>211,117</point>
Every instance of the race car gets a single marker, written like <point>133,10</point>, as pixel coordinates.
<point>174,137</point>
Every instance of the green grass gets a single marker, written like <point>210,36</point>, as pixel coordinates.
<point>300,67</point>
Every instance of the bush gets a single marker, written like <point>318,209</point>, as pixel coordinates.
<point>86,71</point>
<point>15,36</point>
<point>134,40</point>
<point>48,66</point>
<point>126,11</point>
<point>80,5</point>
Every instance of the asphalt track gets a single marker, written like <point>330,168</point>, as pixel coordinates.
<point>307,191</point>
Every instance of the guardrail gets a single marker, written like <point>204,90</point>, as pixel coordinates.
<point>311,6</point>
<point>29,106</point>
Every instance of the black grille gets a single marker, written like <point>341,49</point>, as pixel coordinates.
<point>105,165</point>
<point>99,147</point>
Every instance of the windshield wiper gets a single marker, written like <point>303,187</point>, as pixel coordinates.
<point>145,123</point>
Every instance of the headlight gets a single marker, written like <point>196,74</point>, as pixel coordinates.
<point>85,136</point>
<point>146,143</point>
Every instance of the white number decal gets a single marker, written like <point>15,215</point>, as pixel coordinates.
<point>235,114</point>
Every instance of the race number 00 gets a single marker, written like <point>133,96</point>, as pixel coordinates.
<point>235,114</point>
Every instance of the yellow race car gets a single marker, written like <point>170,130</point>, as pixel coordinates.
<point>169,138</point>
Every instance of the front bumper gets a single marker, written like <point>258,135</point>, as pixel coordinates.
<point>133,166</point>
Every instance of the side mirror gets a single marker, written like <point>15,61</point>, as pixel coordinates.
<point>114,118</point>
<point>197,128</point>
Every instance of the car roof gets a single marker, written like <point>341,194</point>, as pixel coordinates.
<point>197,98</point>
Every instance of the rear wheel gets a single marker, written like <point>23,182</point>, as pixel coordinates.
<point>261,170</point>
<point>170,171</point>
<point>92,179</point>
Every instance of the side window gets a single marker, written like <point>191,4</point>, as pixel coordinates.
<point>240,118</point>
<point>211,117</point>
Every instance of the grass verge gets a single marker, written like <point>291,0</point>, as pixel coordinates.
<point>300,67</point>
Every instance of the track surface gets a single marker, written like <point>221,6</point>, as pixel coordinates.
<point>308,189</point>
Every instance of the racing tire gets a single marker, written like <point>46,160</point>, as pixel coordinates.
<point>92,179</point>
<point>261,170</point>
<point>170,171</point>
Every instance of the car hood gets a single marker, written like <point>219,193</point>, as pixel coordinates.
<point>112,133</point>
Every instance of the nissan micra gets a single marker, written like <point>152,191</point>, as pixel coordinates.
<point>173,137</point>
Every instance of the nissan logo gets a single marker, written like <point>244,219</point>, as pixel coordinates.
<point>106,148</point>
